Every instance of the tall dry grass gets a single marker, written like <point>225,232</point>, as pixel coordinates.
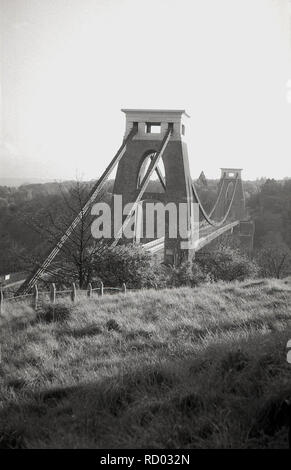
<point>179,368</point>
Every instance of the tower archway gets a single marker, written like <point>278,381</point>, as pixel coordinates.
<point>157,182</point>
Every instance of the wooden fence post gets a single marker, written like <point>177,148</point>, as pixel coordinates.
<point>124,287</point>
<point>74,292</point>
<point>35,297</point>
<point>53,293</point>
<point>1,300</point>
<point>101,288</point>
<point>89,291</point>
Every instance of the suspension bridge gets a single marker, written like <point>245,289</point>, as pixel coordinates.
<point>153,137</point>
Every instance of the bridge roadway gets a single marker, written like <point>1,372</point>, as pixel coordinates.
<point>206,235</point>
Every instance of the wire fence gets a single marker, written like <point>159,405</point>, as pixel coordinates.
<point>37,297</point>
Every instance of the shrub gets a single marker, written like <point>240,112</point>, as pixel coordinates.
<point>129,264</point>
<point>187,274</point>
<point>226,264</point>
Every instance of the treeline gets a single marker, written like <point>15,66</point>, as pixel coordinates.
<point>33,217</point>
<point>271,209</point>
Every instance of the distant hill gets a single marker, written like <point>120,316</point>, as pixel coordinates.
<point>16,182</point>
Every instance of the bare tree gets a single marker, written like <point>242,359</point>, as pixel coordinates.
<point>74,261</point>
<point>274,257</point>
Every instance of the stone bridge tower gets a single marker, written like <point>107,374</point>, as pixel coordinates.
<point>231,179</point>
<point>152,126</point>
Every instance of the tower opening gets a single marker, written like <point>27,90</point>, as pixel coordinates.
<point>153,127</point>
<point>157,180</point>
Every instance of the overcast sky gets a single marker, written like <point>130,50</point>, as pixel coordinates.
<point>68,66</point>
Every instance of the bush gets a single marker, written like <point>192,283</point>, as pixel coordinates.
<point>226,264</point>
<point>187,274</point>
<point>129,264</point>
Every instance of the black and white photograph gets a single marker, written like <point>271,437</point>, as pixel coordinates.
<point>145,228</point>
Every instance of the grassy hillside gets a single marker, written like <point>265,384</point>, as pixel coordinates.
<point>190,368</point>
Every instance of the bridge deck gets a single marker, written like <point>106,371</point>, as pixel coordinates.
<point>207,235</point>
